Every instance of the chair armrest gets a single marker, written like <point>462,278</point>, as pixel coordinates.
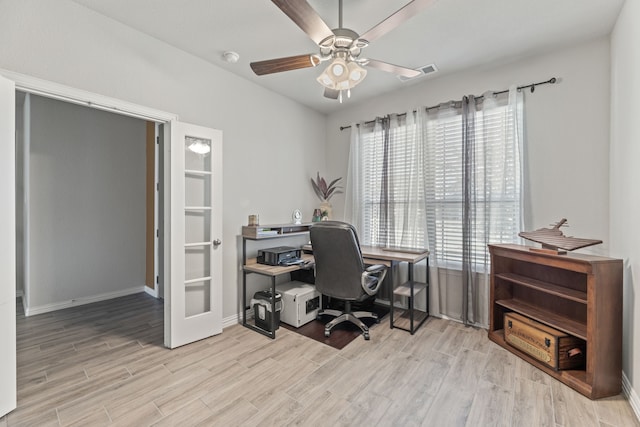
<point>372,278</point>
<point>375,268</point>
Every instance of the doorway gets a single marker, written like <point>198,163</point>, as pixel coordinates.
<point>175,139</point>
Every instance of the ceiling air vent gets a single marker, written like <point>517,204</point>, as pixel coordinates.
<point>424,70</point>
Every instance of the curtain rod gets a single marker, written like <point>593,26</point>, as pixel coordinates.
<point>552,80</point>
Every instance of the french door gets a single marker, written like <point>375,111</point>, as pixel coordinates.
<point>8,391</point>
<point>193,234</point>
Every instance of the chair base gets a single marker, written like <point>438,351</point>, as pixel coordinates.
<point>348,316</point>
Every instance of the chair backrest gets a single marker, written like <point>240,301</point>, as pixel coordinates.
<point>339,264</point>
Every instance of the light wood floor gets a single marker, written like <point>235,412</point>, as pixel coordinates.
<point>104,364</point>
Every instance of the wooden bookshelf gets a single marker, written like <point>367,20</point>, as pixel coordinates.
<point>578,294</point>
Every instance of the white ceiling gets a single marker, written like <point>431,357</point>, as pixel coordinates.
<point>453,34</point>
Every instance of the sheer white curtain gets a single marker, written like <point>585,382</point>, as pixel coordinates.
<point>364,178</point>
<point>385,182</point>
<point>406,209</point>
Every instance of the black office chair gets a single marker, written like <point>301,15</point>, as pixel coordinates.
<point>341,273</point>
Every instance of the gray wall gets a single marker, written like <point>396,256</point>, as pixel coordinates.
<point>87,203</point>
<point>625,176</point>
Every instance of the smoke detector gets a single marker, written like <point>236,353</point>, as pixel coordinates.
<point>231,57</point>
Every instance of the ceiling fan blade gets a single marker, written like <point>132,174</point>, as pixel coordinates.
<point>279,65</point>
<point>331,93</point>
<point>408,11</point>
<point>305,17</point>
<point>390,68</point>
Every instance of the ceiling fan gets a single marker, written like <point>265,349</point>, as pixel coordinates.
<point>342,46</point>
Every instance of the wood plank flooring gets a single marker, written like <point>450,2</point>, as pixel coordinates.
<point>104,364</point>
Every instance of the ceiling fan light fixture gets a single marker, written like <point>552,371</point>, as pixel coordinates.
<point>326,81</point>
<point>342,75</point>
<point>337,69</point>
<point>343,85</point>
<point>356,74</point>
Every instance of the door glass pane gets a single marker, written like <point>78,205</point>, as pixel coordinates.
<point>197,298</point>
<point>197,262</point>
<point>197,226</point>
<point>197,154</point>
<point>197,191</point>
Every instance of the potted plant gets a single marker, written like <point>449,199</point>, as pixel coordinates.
<point>324,192</point>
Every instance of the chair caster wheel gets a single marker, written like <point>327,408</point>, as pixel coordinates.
<point>377,320</point>
<point>366,336</point>
<point>327,333</point>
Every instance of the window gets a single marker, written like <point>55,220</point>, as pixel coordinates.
<point>413,186</point>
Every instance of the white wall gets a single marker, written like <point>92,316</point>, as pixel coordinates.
<point>567,132</point>
<point>268,139</point>
<point>625,175</point>
<point>87,204</point>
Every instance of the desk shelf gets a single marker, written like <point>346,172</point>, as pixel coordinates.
<point>405,289</point>
<point>253,266</point>
<point>259,232</point>
<point>410,319</point>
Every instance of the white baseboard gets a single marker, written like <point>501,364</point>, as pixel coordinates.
<point>230,321</point>
<point>30,311</point>
<point>24,304</point>
<point>153,292</point>
<point>631,395</point>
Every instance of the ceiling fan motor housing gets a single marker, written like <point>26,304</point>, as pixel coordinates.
<point>344,43</point>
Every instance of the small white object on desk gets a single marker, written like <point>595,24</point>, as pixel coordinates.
<point>297,216</point>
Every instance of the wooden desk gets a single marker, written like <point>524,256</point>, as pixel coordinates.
<point>371,255</point>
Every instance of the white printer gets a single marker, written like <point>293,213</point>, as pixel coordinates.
<point>300,303</point>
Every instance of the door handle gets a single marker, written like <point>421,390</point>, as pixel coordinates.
<point>217,242</point>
